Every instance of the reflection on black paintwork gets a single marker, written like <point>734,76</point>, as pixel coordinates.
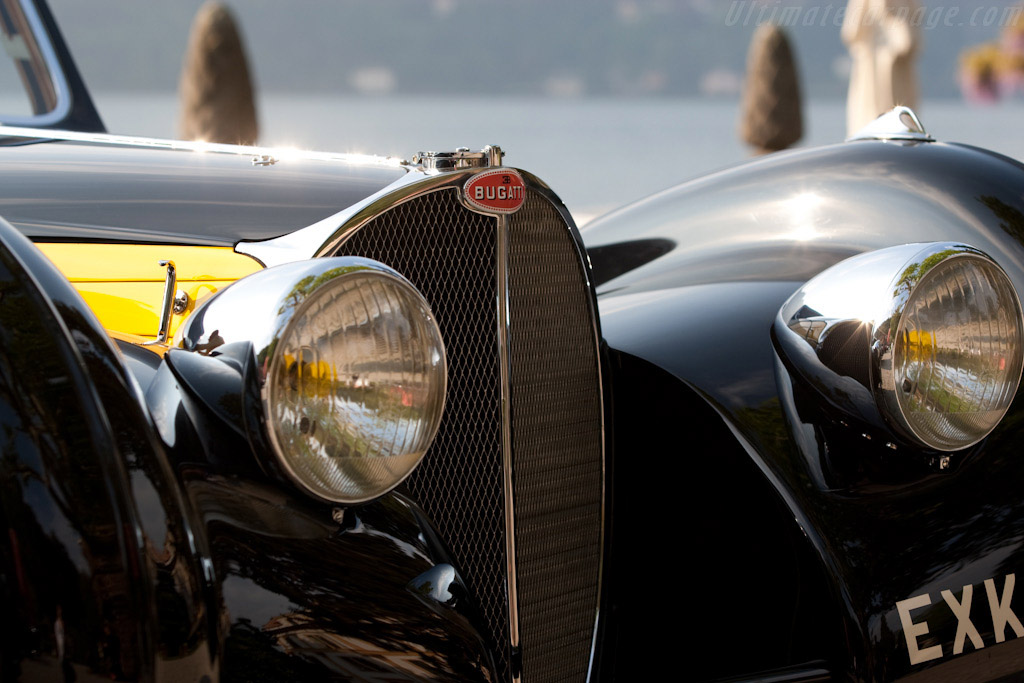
<point>791,215</point>
<point>95,524</point>
<point>1011,218</point>
<point>315,602</point>
<point>65,572</point>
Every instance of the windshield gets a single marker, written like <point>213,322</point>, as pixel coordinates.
<point>28,92</point>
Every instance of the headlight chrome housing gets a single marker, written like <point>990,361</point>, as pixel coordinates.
<point>353,367</point>
<point>926,340</point>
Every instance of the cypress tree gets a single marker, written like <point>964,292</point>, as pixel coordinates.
<point>215,91</point>
<point>771,117</point>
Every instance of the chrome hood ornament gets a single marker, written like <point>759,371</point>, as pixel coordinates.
<point>489,156</point>
<point>899,124</point>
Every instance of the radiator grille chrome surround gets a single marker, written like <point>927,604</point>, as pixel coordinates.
<point>515,478</point>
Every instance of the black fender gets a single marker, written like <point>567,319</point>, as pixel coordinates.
<point>690,282</point>
<point>165,564</point>
<point>100,553</point>
<point>312,593</point>
<point>307,590</point>
<point>689,461</point>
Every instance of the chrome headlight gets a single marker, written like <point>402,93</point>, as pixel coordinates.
<point>354,370</point>
<point>932,333</point>
<point>952,360</point>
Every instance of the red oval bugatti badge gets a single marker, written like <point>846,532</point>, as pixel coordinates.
<point>500,190</point>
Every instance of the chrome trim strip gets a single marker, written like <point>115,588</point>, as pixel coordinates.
<point>60,84</point>
<point>504,353</point>
<point>280,154</point>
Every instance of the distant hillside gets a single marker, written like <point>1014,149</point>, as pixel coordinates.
<point>498,47</point>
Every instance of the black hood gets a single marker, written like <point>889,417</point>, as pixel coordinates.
<point>73,191</point>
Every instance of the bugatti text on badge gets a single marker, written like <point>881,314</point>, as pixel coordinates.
<point>499,190</point>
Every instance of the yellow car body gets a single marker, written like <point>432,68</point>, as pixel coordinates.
<point>124,283</point>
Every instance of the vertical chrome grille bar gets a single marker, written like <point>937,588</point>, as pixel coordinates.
<point>504,352</point>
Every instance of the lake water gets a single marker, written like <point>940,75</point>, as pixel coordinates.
<point>597,154</point>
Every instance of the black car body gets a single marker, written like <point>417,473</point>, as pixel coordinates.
<point>696,455</point>
<point>823,541</point>
<point>151,532</point>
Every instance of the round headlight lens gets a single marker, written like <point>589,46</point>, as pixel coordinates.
<point>957,357</point>
<point>356,386</point>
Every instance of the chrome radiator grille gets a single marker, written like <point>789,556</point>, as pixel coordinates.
<point>451,255</point>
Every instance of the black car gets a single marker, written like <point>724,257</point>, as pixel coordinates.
<point>762,427</point>
<point>828,347</point>
<point>381,456</point>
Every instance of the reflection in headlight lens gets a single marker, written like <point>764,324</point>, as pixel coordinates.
<point>356,386</point>
<point>957,361</point>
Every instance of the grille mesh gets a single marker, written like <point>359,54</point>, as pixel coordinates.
<point>450,254</point>
<point>557,442</point>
